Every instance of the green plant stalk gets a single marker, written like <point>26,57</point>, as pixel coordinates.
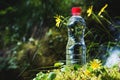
<point>102,25</point>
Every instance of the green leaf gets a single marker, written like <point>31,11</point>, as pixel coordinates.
<point>51,76</point>
<point>58,64</point>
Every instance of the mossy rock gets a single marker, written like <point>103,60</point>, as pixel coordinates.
<point>44,52</point>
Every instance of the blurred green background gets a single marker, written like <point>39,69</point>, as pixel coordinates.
<point>30,41</point>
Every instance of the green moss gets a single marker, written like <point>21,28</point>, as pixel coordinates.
<point>84,73</point>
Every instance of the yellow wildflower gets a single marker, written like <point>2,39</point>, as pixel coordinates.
<point>102,9</point>
<point>95,64</point>
<point>58,20</point>
<point>89,11</point>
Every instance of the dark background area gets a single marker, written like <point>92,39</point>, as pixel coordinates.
<point>24,19</point>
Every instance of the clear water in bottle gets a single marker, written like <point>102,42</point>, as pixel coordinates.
<point>76,48</point>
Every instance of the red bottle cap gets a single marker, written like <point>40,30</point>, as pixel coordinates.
<point>76,10</point>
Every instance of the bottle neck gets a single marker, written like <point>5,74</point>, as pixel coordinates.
<point>76,14</point>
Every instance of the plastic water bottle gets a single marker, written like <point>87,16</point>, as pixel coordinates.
<point>76,48</point>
